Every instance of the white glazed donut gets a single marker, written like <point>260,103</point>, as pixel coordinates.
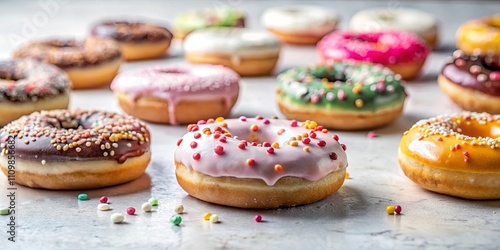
<point>402,19</point>
<point>259,163</point>
<point>248,52</point>
<point>300,24</point>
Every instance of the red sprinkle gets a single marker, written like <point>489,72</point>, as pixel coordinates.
<point>466,153</point>
<point>333,156</point>
<point>397,209</point>
<point>258,218</point>
<point>193,127</point>
<point>179,142</point>
<point>130,211</point>
<point>259,117</point>
<point>218,129</point>
<point>457,146</point>
<point>312,135</point>
<point>254,144</point>
<point>270,150</point>
<point>343,147</point>
<point>217,135</point>
<point>266,121</point>
<point>250,162</point>
<point>294,123</point>
<point>193,144</point>
<point>196,156</point>
<point>335,137</point>
<point>242,145</point>
<point>103,199</point>
<point>197,135</point>
<point>322,143</point>
<point>266,144</point>
<point>223,139</point>
<point>319,128</point>
<point>219,150</point>
<point>306,140</point>
<point>254,127</point>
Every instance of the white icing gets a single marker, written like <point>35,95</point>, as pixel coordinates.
<point>300,18</point>
<point>236,42</point>
<point>404,19</point>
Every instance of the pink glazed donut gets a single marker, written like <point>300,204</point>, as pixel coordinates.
<point>402,52</point>
<point>259,163</point>
<point>177,94</point>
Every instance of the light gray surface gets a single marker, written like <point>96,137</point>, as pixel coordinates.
<point>353,218</point>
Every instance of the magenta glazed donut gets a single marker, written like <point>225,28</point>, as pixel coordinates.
<point>188,93</point>
<point>402,52</point>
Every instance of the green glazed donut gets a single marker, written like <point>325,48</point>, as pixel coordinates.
<point>342,95</point>
<point>204,18</point>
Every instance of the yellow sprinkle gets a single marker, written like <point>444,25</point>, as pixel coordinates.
<point>306,149</point>
<point>293,143</point>
<point>359,103</point>
<point>293,138</point>
<point>299,137</point>
<point>390,209</point>
<point>278,168</point>
<point>305,135</point>
<point>329,86</point>
<point>356,89</point>
<point>347,175</point>
<point>219,119</point>
<point>275,145</point>
<point>207,215</point>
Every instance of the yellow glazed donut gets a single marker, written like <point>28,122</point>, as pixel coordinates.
<point>480,36</point>
<point>457,155</point>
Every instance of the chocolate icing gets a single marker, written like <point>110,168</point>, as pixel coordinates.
<point>63,135</point>
<point>125,31</point>
<point>481,73</point>
<point>29,80</point>
<point>66,53</point>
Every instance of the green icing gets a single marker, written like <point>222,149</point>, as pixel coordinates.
<point>214,17</point>
<point>350,86</point>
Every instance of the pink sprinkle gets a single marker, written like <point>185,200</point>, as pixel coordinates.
<point>306,140</point>
<point>341,95</point>
<point>219,150</point>
<point>197,135</point>
<point>466,159</point>
<point>281,131</point>
<point>103,199</point>
<point>130,211</point>
<point>266,121</point>
<point>457,146</point>
<point>495,75</point>
<point>258,218</point>
<point>243,118</point>
<point>314,98</point>
<point>259,117</point>
<point>294,123</point>
<point>179,142</point>
<point>270,150</point>
<point>466,153</point>
<point>371,134</point>
<point>201,122</point>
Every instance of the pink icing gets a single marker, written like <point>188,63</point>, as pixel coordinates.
<point>325,154</point>
<point>384,47</point>
<point>176,83</point>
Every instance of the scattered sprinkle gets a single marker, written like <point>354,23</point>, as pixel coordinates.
<point>179,209</point>
<point>347,175</point>
<point>146,207</point>
<point>214,218</point>
<point>390,209</point>
<point>103,207</point>
<point>278,168</point>
<point>207,215</point>
<point>371,134</point>
<point>103,199</point>
<point>153,201</point>
<point>117,218</point>
<point>397,209</point>
<point>130,210</point>
<point>258,218</point>
<point>83,197</point>
<point>176,219</point>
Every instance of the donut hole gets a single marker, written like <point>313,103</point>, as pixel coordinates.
<point>474,129</point>
<point>171,71</point>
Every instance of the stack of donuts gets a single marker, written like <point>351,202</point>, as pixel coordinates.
<point>358,83</point>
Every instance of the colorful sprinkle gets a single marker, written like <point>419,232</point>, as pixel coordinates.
<point>254,127</point>
<point>270,150</point>
<point>153,201</point>
<point>243,118</point>
<point>207,215</point>
<point>266,121</point>
<point>219,150</point>
<point>179,209</point>
<point>176,219</point>
<point>219,119</point>
<point>103,199</point>
<point>196,156</point>
<point>130,210</point>
<point>83,197</point>
<point>258,218</point>
<point>278,168</point>
<point>322,143</point>
<point>242,145</point>
<point>293,143</point>
<point>281,131</point>
<point>347,175</point>
<point>397,209</point>
<point>335,137</point>
<point>214,218</point>
<point>223,139</point>
<point>306,149</point>
<point>193,144</point>
<point>306,140</point>
<point>146,207</point>
<point>103,207</point>
<point>333,156</point>
<point>390,209</point>
<point>117,218</point>
<point>250,162</point>
<point>359,103</point>
<point>197,135</point>
<point>312,135</point>
<point>275,145</point>
<point>344,147</point>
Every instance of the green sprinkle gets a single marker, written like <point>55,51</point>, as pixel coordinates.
<point>176,219</point>
<point>83,197</point>
<point>153,201</point>
<point>6,211</point>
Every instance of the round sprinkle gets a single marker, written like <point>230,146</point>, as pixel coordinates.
<point>130,210</point>
<point>371,134</point>
<point>146,207</point>
<point>254,127</point>
<point>312,135</point>
<point>4,211</point>
<point>193,144</point>
<point>347,175</point>
<point>223,139</point>
<point>335,137</point>
<point>278,168</point>
<point>258,218</point>
<point>103,199</point>
<point>306,140</point>
<point>153,201</point>
<point>243,118</point>
<point>275,145</point>
<point>242,145</point>
<point>219,150</point>
<point>117,218</point>
<point>197,135</point>
<point>270,150</point>
<point>196,156</point>
<point>390,209</point>
<point>333,156</point>
<point>397,209</point>
<point>219,119</point>
<point>214,218</point>
<point>83,197</point>
<point>179,209</point>
<point>207,215</point>
<point>294,123</point>
<point>322,143</point>
<point>103,207</point>
<point>250,162</point>
<point>359,103</point>
<point>176,219</point>
<point>344,147</point>
<point>306,149</point>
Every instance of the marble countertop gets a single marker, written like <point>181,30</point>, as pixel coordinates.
<point>352,218</point>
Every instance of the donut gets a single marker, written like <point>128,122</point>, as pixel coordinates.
<point>74,149</point>
<point>192,20</point>
<point>402,52</point>
<point>177,94</point>
<point>89,63</point>
<point>472,82</point>
<point>455,154</point>
<point>415,21</point>
<point>27,86</point>
<point>347,95</point>
<point>480,36</point>
<point>137,40</point>
<point>301,24</point>
<point>259,163</point>
<point>248,52</point>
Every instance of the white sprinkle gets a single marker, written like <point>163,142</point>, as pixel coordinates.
<point>146,207</point>
<point>103,207</point>
<point>179,209</point>
<point>117,218</point>
<point>214,218</point>
<point>43,162</point>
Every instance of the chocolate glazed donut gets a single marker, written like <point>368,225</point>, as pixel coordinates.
<point>64,149</point>
<point>472,82</point>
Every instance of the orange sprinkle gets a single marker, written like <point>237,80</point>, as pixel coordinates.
<point>278,168</point>
<point>250,162</point>
<point>356,89</point>
<point>305,135</point>
<point>347,175</point>
<point>211,120</point>
<point>254,127</point>
<point>359,103</point>
<point>329,86</point>
<point>224,125</point>
<point>207,131</point>
<point>299,137</point>
<point>324,130</point>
